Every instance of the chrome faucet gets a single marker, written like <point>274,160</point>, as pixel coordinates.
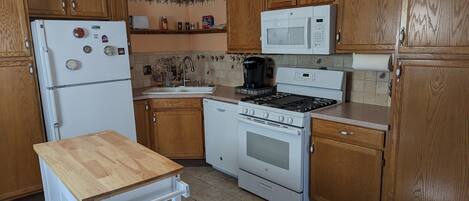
<point>191,63</point>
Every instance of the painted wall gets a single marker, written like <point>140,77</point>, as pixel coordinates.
<point>175,13</point>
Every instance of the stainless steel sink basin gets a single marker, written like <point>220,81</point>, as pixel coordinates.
<point>178,90</point>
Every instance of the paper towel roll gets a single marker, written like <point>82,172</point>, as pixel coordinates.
<point>372,62</point>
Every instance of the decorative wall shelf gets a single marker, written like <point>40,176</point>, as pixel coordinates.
<point>196,31</point>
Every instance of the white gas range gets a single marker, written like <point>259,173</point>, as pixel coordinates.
<point>274,132</point>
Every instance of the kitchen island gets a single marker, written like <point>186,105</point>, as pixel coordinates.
<point>107,166</point>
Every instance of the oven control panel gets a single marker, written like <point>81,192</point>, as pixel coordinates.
<point>276,115</point>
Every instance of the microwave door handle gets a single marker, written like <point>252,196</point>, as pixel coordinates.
<point>308,33</point>
<point>274,128</point>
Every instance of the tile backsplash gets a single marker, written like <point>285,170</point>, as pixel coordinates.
<point>225,69</point>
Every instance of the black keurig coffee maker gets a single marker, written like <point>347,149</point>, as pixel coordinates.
<point>254,72</point>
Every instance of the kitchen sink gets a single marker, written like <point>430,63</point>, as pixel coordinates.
<point>179,90</point>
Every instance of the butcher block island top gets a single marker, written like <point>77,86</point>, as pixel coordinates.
<point>103,164</point>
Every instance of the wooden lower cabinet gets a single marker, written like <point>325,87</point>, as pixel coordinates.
<point>20,128</point>
<point>142,123</point>
<point>176,129</point>
<point>342,170</point>
<point>431,132</point>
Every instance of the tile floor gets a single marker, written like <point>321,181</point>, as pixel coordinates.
<point>206,184</point>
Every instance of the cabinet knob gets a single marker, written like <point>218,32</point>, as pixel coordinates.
<point>63,5</point>
<point>345,133</point>
<point>402,36</point>
<point>338,37</point>
<point>74,5</point>
<point>31,69</point>
<point>26,43</point>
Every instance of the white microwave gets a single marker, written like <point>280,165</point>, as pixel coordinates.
<point>305,30</point>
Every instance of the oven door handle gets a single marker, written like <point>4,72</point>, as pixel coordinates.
<point>291,131</point>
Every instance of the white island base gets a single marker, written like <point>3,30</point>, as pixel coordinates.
<point>171,188</point>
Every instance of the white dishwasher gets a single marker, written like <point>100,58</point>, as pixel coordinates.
<point>221,136</point>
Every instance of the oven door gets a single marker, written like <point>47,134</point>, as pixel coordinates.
<point>271,151</point>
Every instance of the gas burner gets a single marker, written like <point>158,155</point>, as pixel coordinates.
<point>290,102</point>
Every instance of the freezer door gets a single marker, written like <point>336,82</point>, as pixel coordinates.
<point>87,109</point>
<point>84,51</point>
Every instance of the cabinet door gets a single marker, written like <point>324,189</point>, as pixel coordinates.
<point>437,26</point>
<point>344,172</point>
<point>119,10</point>
<point>142,123</point>
<point>367,25</point>
<point>47,7</point>
<point>179,134</point>
<point>276,4</point>
<point>432,131</point>
<point>20,128</point>
<point>244,25</point>
<point>314,2</point>
<point>14,34</point>
<point>89,8</point>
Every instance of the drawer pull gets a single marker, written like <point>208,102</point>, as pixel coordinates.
<point>265,186</point>
<point>345,133</point>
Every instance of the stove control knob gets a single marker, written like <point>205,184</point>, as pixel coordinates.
<point>252,112</point>
<point>266,115</point>
<point>245,111</point>
<point>281,118</point>
<point>289,120</point>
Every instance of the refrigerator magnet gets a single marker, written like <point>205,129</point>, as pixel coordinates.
<point>104,39</point>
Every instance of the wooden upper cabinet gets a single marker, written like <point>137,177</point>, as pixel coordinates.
<point>279,4</point>
<point>75,9</point>
<point>431,118</point>
<point>142,123</point>
<point>438,26</point>
<point>20,128</point>
<point>47,7</point>
<point>313,2</point>
<point>276,4</point>
<point>89,8</point>
<point>344,172</point>
<point>14,26</point>
<point>367,25</point>
<point>119,10</point>
<point>244,25</point>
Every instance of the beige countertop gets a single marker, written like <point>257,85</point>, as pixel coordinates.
<point>102,164</point>
<point>221,93</point>
<point>359,114</point>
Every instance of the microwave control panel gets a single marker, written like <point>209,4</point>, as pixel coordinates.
<point>318,32</point>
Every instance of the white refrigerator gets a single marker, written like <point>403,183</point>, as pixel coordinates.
<point>84,77</point>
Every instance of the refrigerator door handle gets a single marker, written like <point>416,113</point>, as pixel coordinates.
<point>51,92</point>
<point>48,68</point>
<point>54,113</point>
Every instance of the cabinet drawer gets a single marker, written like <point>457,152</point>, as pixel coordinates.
<point>176,103</point>
<point>348,133</point>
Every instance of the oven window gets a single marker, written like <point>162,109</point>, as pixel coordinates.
<point>269,150</point>
<point>286,36</point>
